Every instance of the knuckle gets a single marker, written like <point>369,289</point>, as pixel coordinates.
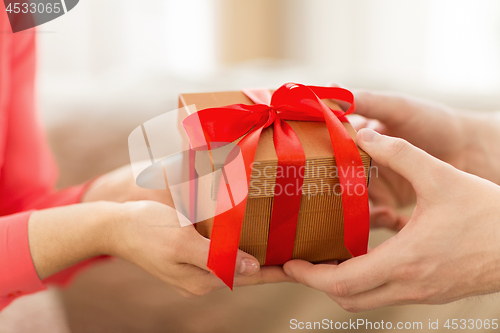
<point>340,289</point>
<point>299,277</point>
<point>398,147</point>
<point>408,272</point>
<point>256,279</point>
<point>260,278</point>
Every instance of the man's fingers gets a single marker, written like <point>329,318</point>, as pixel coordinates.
<point>348,278</point>
<point>387,217</point>
<point>363,273</point>
<point>315,276</point>
<point>380,192</point>
<point>357,121</point>
<point>412,163</point>
<point>385,295</point>
<point>343,105</point>
<point>389,108</point>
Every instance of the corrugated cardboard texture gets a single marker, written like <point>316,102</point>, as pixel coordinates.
<point>320,226</point>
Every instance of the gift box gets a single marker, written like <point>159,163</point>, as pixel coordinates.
<point>318,228</point>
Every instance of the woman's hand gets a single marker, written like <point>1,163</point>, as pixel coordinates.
<point>145,233</point>
<point>450,248</point>
<point>466,140</point>
<point>119,186</point>
<point>150,236</point>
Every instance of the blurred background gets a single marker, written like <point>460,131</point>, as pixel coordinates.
<point>443,47</point>
<point>109,65</point>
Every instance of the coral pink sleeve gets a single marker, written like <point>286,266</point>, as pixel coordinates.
<point>17,273</point>
<point>27,171</point>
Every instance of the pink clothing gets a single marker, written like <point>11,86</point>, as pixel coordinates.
<point>27,171</point>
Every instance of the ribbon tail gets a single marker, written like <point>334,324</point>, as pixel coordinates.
<point>353,187</point>
<point>226,230</point>
<point>224,243</point>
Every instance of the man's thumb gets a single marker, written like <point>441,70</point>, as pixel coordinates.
<point>405,159</point>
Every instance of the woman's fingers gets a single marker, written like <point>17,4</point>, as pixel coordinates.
<point>267,274</point>
<point>196,248</point>
<point>246,265</point>
<point>193,281</point>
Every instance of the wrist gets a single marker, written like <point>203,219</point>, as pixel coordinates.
<point>126,231</point>
<point>482,152</point>
<point>115,238</point>
<point>106,219</point>
<point>63,236</point>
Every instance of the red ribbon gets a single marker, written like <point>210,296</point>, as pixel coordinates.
<point>290,102</point>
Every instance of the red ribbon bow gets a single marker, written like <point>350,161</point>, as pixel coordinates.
<point>290,102</point>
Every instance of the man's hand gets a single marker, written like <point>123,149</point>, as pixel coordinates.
<point>466,140</point>
<point>449,249</point>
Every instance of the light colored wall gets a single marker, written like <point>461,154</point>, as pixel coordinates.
<point>131,53</point>
<point>249,30</point>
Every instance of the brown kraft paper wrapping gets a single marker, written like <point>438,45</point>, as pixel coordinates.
<point>320,225</point>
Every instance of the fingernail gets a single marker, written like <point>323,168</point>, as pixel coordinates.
<point>368,135</point>
<point>249,267</point>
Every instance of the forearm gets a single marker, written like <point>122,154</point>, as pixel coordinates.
<point>61,237</point>
<point>482,154</point>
